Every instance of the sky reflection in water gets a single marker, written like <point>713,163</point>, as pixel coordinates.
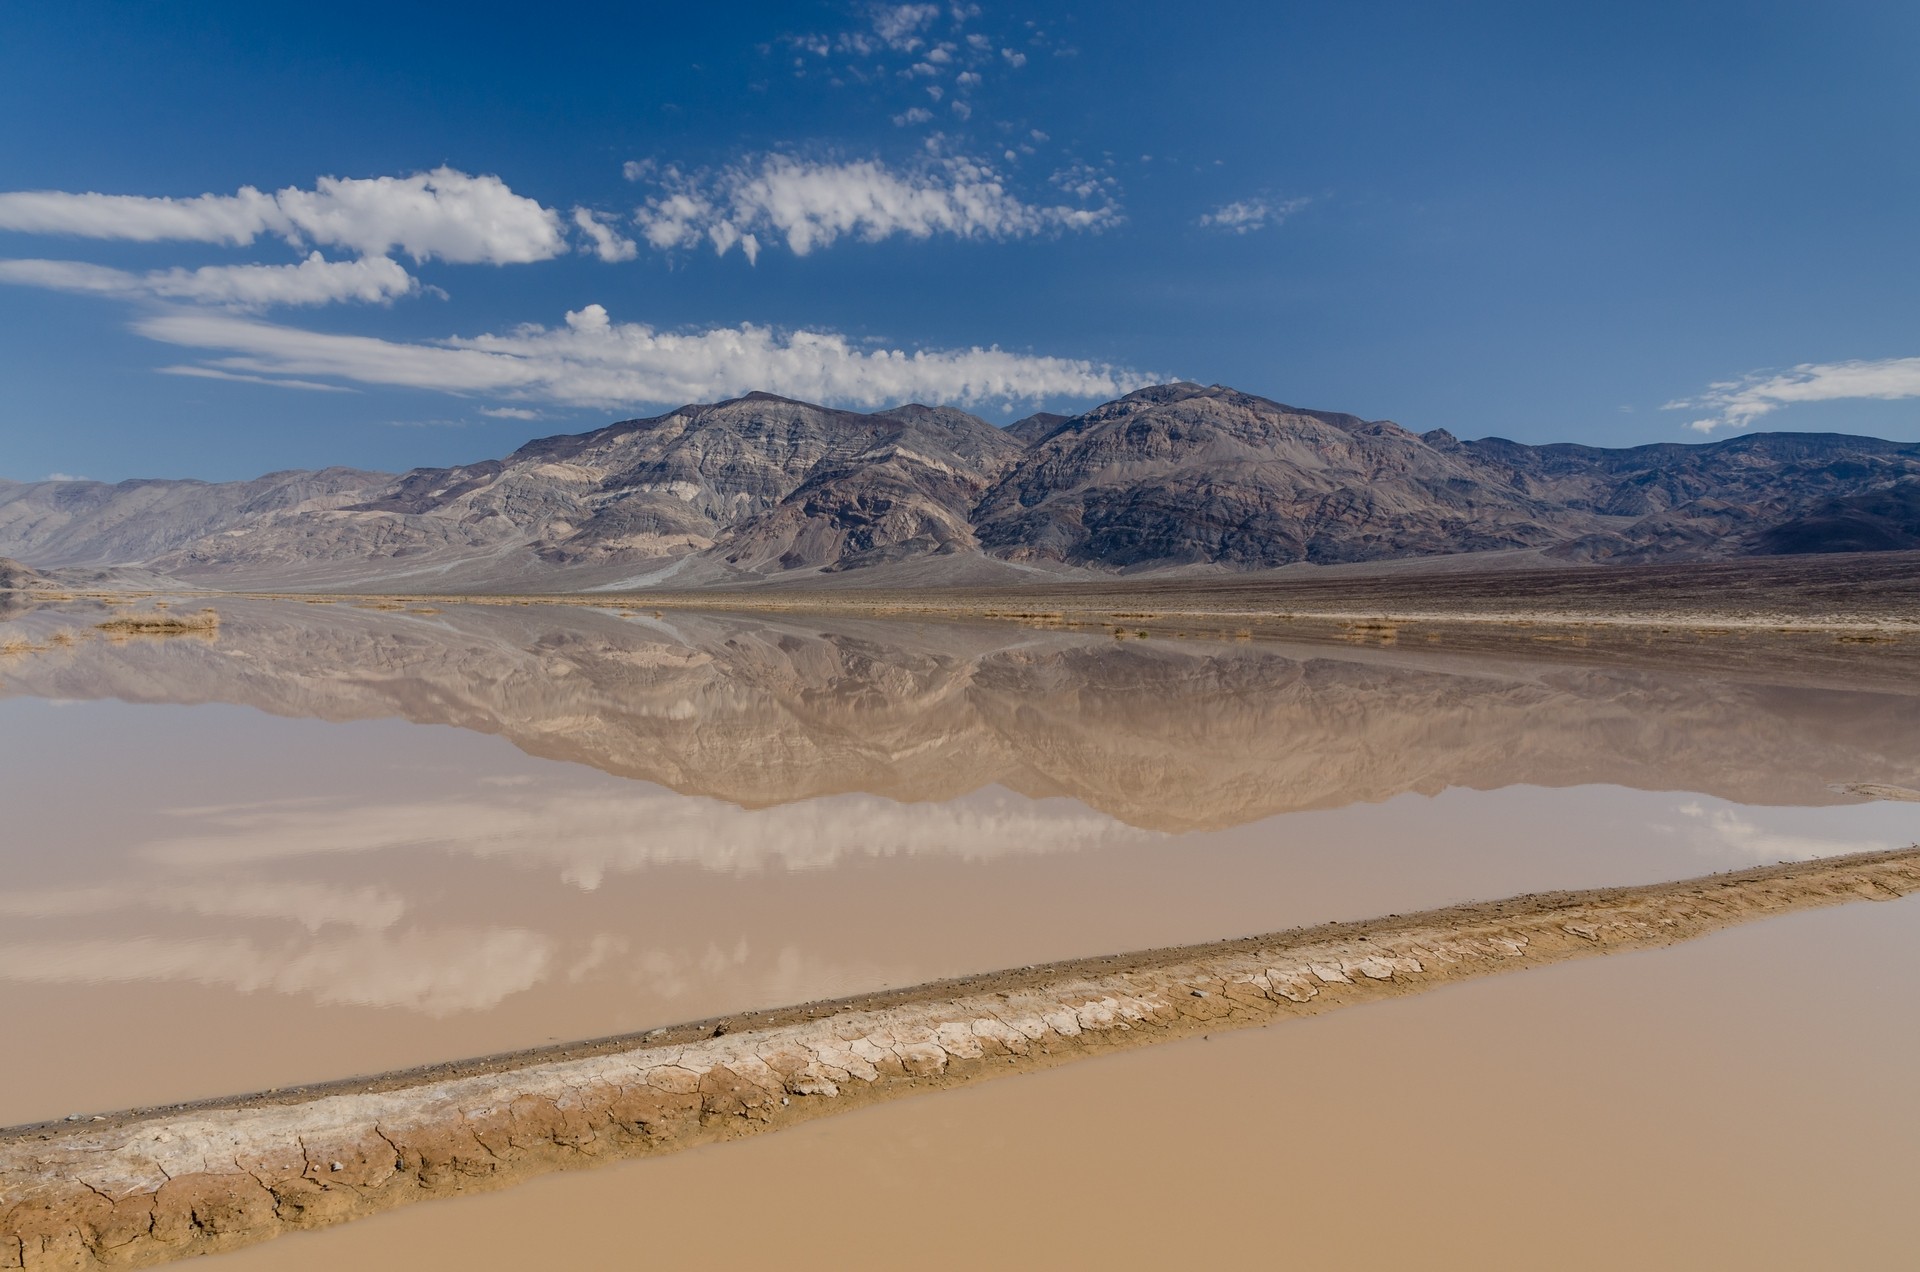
<point>254,850</point>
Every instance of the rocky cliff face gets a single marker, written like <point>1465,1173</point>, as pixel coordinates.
<point>1719,499</point>
<point>1175,475</point>
<point>1178,475</point>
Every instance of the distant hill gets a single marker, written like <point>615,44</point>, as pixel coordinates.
<point>1177,475</point>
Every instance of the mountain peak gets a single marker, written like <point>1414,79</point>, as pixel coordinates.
<point>1178,474</point>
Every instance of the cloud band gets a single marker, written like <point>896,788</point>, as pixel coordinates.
<point>592,361</point>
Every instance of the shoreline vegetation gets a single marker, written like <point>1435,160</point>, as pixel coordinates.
<point>205,623</point>
<point>150,1185</point>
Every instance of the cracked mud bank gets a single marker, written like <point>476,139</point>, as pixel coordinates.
<point>153,1185</point>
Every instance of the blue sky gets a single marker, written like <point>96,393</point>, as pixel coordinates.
<point>429,233</point>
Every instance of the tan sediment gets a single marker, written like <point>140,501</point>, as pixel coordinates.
<point>205,623</point>
<point>144,1187</point>
<point>1879,790</point>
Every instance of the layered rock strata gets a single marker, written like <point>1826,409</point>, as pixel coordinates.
<point>1176,475</point>
<point>149,1186</point>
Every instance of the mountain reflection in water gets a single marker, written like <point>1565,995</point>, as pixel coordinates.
<point>1162,735</point>
<point>244,849</point>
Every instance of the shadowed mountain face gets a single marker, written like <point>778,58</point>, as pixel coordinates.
<point>1886,520</point>
<point>1176,475</point>
<point>1173,736</point>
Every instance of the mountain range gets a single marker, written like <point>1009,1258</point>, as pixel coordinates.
<point>1177,476</point>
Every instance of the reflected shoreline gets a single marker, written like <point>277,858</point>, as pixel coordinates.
<point>1163,735</point>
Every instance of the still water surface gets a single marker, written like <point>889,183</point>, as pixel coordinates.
<point>338,840</point>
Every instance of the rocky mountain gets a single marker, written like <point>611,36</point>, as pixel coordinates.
<point>1177,475</point>
<point>15,577</point>
<point>93,523</point>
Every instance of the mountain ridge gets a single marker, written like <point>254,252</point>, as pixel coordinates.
<point>1174,476</point>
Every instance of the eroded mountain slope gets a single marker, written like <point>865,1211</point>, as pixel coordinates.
<point>1178,475</point>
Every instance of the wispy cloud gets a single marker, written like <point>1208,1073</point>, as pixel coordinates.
<point>1243,216</point>
<point>239,377</point>
<point>444,214</point>
<point>919,51</point>
<point>592,361</point>
<point>602,239</point>
<point>812,204</point>
<point>510,413</point>
<point>1738,403</point>
<point>900,26</point>
<point>314,281</point>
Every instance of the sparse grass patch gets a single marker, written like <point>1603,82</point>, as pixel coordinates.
<point>206,622</point>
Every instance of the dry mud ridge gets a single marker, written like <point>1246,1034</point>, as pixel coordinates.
<point>144,1187</point>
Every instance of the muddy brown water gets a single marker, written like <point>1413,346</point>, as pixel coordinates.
<point>1744,1101</point>
<point>338,841</point>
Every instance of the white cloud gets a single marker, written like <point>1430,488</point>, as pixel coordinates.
<point>811,205</point>
<point>900,25</point>
<point>64,477</point>
<point>602,239</point>
<point>444,213</point>
<point>237,377</point>
<point>593,361</point>
<point>314,281</point>
<point>1738,403</point>
<point>1014,58</point>
<point>1243,216</point>
<point>510,413</point>
<point>912,115</point>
